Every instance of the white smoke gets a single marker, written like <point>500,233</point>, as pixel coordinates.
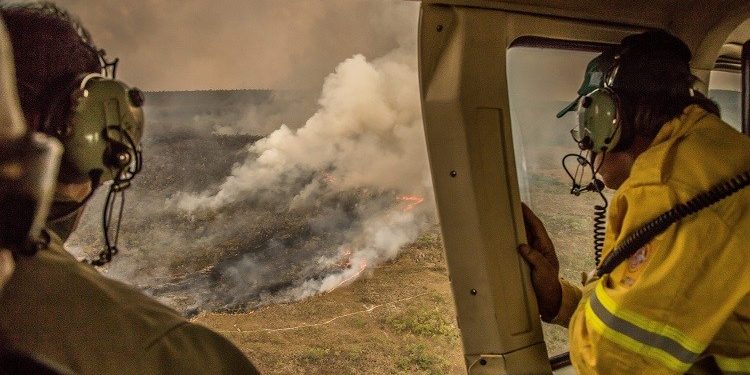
<point>367,133</point>
<point>308,208</point>
<point>365,140</point>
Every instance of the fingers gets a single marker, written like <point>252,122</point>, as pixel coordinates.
<point>7,265</point>
<point>545,280</point>
<point>533,257</point>
<point>534,226</point>
<point>536,232</point>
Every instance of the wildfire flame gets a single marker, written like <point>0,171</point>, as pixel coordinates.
<point>413,201</point>
<point>362,268</point>
<point>346,259</point>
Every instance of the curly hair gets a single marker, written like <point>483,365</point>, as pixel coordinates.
<point>50,48</point>
<point>654,84</point>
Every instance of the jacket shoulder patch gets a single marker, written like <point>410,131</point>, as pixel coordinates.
<point>635,265</point>
<point>637,260</point>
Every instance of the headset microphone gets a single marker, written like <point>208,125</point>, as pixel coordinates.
<point>597,132</point>
<point>595,185</point>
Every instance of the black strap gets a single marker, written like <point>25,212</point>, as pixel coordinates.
<point>643,235</point>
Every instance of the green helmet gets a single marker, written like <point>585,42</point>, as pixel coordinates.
<point>103,130</point>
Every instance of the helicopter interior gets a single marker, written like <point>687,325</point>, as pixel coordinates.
<point>468,59</point>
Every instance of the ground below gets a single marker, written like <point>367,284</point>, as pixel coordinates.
<point>399,318</point>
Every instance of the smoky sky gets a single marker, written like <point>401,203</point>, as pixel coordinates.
<point>548,74</point>
<point>239,44</point>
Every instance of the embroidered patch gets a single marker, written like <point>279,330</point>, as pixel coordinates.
<point>627,281</point>
<point>638,259</point>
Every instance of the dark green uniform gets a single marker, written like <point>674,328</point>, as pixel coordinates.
<point>58,309</point>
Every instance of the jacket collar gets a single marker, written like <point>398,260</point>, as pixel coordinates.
<point>681,125</point>
<point>649,166</point>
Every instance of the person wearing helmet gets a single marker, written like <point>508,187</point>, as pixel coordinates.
<point>679,299</point>
<point>54,307</point>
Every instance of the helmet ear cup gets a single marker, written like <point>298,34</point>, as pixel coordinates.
<point>117,155</point>
<point>100,123</point>
<point>598,121</point>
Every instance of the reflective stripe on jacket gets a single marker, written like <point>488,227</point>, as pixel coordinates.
<point>681,303</point>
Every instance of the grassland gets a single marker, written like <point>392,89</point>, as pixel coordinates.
<point>400,317</point>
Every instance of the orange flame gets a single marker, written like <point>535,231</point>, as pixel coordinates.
<point>413,200</point>
<point>362,268</point>
<point>345,260</point>
<point>329,178</point>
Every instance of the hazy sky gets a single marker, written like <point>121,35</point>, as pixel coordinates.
<point>546,74</point>
<point>227,44</point>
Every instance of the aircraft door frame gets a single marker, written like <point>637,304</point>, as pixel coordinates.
<point>463,83</point>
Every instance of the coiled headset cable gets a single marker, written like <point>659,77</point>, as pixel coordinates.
<point>596,185</point>
<point>643,235</point>
<point>600,227</point>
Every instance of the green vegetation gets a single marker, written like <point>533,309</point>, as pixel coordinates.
<point>315,355</point>
<point>421,321</point>
<point>418,358</point>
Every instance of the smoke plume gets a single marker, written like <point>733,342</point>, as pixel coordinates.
<point>359,163</point>
<point>230,215</point>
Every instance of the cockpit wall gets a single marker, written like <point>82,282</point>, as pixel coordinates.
<point>465,101</point>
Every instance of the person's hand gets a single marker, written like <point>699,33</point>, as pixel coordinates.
<point>7,266</point>
<point>545,269</point>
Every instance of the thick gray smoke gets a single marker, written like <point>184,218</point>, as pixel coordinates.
<point>222,218</point>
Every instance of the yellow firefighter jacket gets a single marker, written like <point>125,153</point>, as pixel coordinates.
<point>66,313</point>
<point>681,303</point>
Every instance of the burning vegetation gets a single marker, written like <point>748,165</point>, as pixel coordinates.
<point>231,221</point>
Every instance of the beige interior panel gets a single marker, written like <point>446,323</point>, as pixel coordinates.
<point>704,25</point>
<point>467,124</point>
<point>465,105</point>
<point>741,34</point>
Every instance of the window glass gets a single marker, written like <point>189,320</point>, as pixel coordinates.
<point>541,82</point>
<point>725,89</point>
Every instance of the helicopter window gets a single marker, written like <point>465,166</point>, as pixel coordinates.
<point>541,81</point>
<point>275,216</point>
<point>725,89</point>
